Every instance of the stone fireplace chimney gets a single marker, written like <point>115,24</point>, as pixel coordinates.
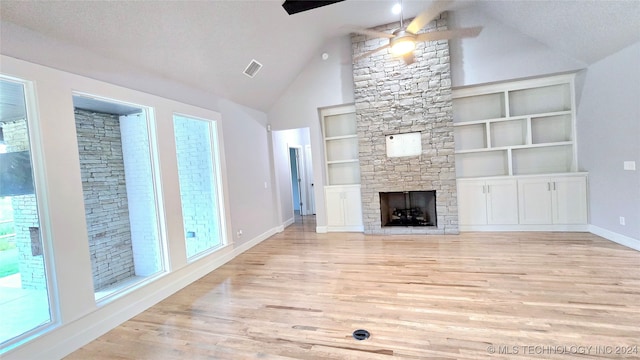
<point>393,97</point>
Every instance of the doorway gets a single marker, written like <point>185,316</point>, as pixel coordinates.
<point>297,184</point>
<point>301,180</point>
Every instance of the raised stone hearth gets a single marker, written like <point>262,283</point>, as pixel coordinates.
<point>394,97</point>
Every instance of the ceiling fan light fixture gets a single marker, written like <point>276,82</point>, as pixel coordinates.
<point>403,43</point>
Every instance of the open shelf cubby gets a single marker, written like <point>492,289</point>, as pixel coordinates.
<point>342,149</point>
<point>480,164</point>
<point>340,145</point>
<point>542,160</point>
<point>470,137</point>
<point>344,173</point>
<point>339,125</point>
<point>481,107</point>
<point>539,100</point>
<point>508,133</point>
<point>550,129</point>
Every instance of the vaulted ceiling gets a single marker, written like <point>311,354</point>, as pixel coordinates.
<point>207,44</point>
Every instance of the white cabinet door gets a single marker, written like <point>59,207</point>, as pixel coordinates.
<point>569,199</point>
<point>352,207</point>
<point>344,208</point>
<point>472,209</point>
<point>534,201</point>
<point>335,206</point>
<point>502,202</point>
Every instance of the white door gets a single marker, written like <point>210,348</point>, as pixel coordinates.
<point>502,202</point>
<point>534,201</point>
<point>569,200</point>
<point>472,209</point>
<point>311,199</point>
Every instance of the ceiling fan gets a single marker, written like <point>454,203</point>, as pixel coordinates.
<point>403,40</point>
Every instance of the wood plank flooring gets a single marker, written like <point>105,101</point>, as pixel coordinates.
<point>478,295</point>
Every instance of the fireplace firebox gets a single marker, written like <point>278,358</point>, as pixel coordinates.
<point>408,208</point>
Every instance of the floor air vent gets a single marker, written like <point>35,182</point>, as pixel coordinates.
<point>361,334</point>
<point>252,68</point>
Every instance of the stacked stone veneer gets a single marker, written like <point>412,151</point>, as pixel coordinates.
<point>105,197</point>
<point>119,198</point>
<point>394,97</point>
<point>197,184</point>
<point>25,214</point>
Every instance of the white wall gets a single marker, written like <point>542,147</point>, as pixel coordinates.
<point>499,53</point>
<point>322,83</point>
<point>248,170</point>
<point>608,134</point>
<point>59,186</point>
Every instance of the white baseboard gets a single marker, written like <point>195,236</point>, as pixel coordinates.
<point>355,228</point>
<point>524,227</point>
<point>61,341</point>
<point>615,237</point>
<point>253,242</point>
<point>326,229</point>
<point>289,222</point>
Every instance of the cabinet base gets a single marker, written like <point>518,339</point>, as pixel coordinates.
<point>556,227</point>
<point>353,228</point>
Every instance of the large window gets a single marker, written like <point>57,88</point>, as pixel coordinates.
<point>198,171</point>
<point>24,288</point>
<point>118,183</point>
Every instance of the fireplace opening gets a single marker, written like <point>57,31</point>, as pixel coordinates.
<point>408,208</point>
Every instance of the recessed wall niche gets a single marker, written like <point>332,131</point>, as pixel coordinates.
<point>119,192</point>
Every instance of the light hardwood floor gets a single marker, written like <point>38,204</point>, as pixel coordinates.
<point>300,295</point>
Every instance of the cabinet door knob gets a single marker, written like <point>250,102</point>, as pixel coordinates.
<point>548,186</point>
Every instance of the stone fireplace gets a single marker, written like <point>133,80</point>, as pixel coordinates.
<point>394,97</point>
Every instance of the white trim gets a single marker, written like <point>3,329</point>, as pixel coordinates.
<point>251,243</point>
<point>511,85</point>
<point>288,223</point>
<point>352,228</point>
<point>67,338</point>
<point>615,237</point>
<point>321,229</point>
<point>526,227</point>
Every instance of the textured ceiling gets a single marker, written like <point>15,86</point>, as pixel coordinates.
<point>207,44</point>
<point>585,30</point>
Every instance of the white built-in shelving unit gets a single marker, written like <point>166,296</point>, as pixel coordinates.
<point>516,128</point>
<point>509,136</point>
<point>342,168</point>
<point>341,145</point>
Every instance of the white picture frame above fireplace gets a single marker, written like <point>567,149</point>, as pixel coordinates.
<point>407,144</point>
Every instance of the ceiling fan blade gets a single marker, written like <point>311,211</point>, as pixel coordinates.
<point>426,16</point>
<point>368,32</point>
<point>364,55</point>
<point>296,6</point>
<point>449,34</point>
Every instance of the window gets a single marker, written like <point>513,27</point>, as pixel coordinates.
<point>198,172</point>
<point>24,288</point>
<point>118,183</point>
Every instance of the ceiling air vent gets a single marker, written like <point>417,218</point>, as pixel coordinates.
<point>252,68</point>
